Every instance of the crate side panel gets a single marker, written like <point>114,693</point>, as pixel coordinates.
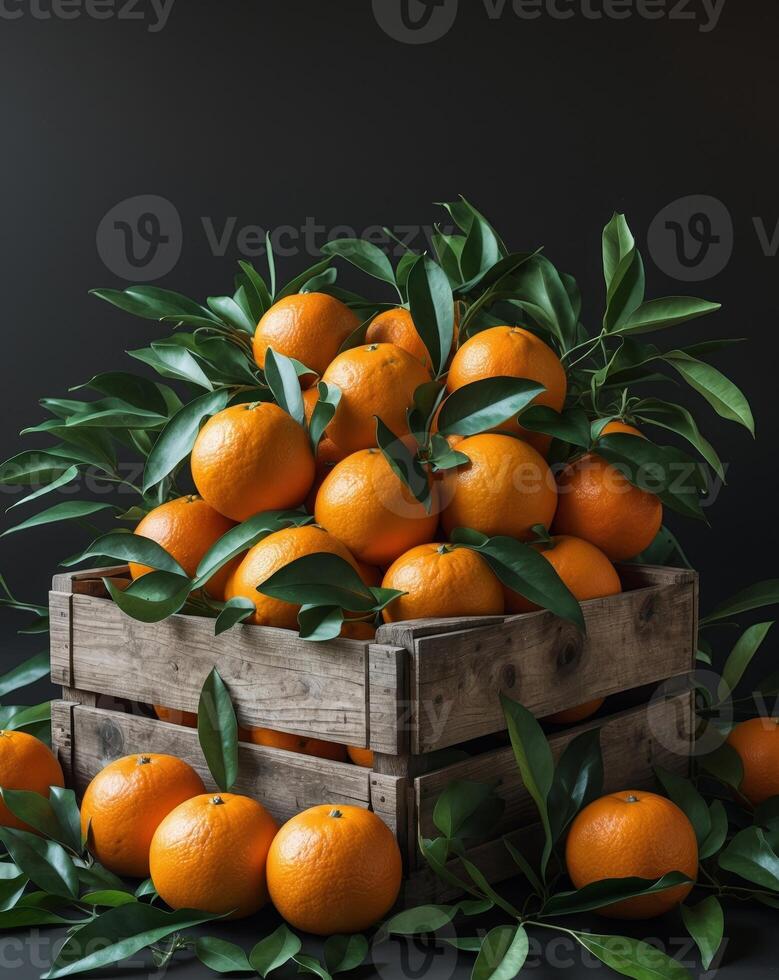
<point>284,782</point>
<point>632,639</point>
<point>276,679</point>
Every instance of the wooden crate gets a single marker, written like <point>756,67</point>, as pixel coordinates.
<point>421,687</point>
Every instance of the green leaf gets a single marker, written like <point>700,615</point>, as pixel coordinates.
<point>68,476</point>
<point>69,510</point>
<point>25,673</point>
<point>32,467</point>
<point>535,761</point>
<point>502,955</point>
<point>217,731</point>
<point>658,314</point>
<point>459,802</point>
<point>617,242</point>
<point>153,597</point>
<point>228,310</point>
<point>625,292</point>
<point>767,813</point>
<point>45,863</point>
<point>578,780</point>
<point>765,593</point>
<point>130,388</point>
<point>344,953</point>
<point>274,951</point>
<point>152,303</point>
<point>539,289</point>
<point>482,405</point>
<point>124,546</point>
<point>366,256</point>
<point>718,833</point>
<point>751,856</point>
<point>176,440</point>
<point>684,794</point>
<point>705,922</point>
<point>118,934</point>
<point>609,890</point>
<point>724,397</point>
<point>320,623</point>
<point>677,419</point>
<point>740,658</point>
<point>320,283</point>
<point>725,765</point>
<point>63,803</point>
<point>480,253</point>
<point>442,456</point>
<point>23,917</point>
<point>524,866</point>
<point>432,309</point>
<point>235,610</point>
<point>283,382</point>
<point>324,410</point>
<point>222,957</point>
<point>107,899</point>
<point>310,964</point>
<point>320,579</point>
<point>406,467</point>
<point>294,285</point>
<point>632,957</point>
<point>427,398</point>
<point>35,810</point>
<point>420,920</point>
<point>570,426</point>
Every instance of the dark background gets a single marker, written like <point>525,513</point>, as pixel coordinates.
<point>284,112</point>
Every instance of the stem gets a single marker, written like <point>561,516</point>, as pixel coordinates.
<point>585,343</point>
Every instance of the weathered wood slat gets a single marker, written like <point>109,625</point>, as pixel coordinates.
<point>284,782</point>
<point>387,699</point>
<point>88,581</point>
<point>632,639</point>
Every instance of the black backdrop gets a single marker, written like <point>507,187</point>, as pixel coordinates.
<point>311,115</point>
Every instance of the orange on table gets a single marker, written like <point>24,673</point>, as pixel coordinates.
<point>364,504</point>
<point>26,763</point>
<point>301,744</point>
<point>397,327</point>
<point>633,834</point>
<point>506,488</point>
<point>186,528</point>
<point>598,503</point>
<point>571,715</point>
<point>126,802</point>
<point>334,869</point>
<point>375,380</point>
<point>307,326</point>
<point>271,554</point>
<point>360,757</point>
<point>516,353</point>
<point>175,717</point>
<point>586,571</point>
<point>251,458</point>
<point>210,853</point>
<point>757,743</point>
<point>442,580</point>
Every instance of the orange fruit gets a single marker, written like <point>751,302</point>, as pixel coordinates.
<point>633,834</point>
<point>583,568</point>
<point>516,353</point>
<point>365,505</point>
<point>358,629</point>
<point>334,869</point>
<point>29,764</point>
<point>617,427</point>
<point>360,757</point>
<point>598,503</point>
<point>397,327</point>
<point>126,802</point>
<point>307,326</point>
<point>186,528</point>
<point>442,580</point>
<point>375,380</point>
<point>210,853</point>
<point>506,488</point>
<point>370,574</point>
<point>296,743</point>
<point>757,742</point>
<point>175,717</point>
<point>267,557</point>
<point>251,458</point>
<point>571,715</point>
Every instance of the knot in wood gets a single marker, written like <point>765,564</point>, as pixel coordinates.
<point>111,741</point>
<point>508,676</point>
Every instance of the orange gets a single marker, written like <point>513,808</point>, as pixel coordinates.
<point>267,557</point>
<point>365,505</point>
<point>334,869</point>
<point>210,854</point>
<point>251,458</point>
<point>397,327</point>
<point>571,715</point>
<point>633,834</point>
<point>757,742</point>
<point>175,717</point>
<point>506,488</point>
<point>307,326</point>
<point>442,580</point>
<point>360,757</point>
<point>126,802</point>
<point>29,764</point>
<point>370,574</point>
<point>583,568</point>
<point>186,528</point>
<point>617,427</point>
<point>599,504</point>
<point>375,380</point>
<point>296,743</point>
<point>358,629</point>
<point>516,353</point>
